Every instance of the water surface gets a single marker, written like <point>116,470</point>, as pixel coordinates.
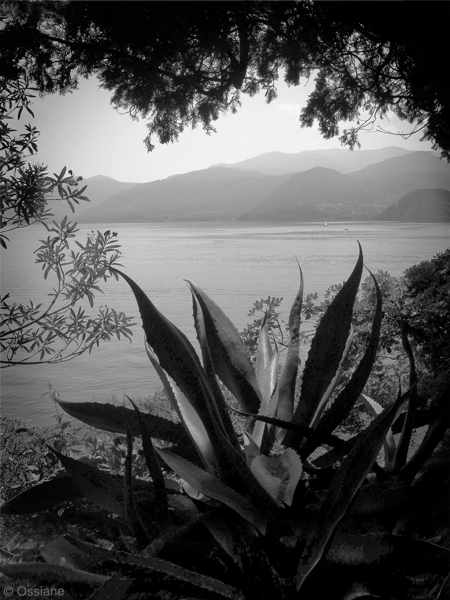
<point>235,263</point>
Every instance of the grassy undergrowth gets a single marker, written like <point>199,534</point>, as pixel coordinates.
<point>26,460</point>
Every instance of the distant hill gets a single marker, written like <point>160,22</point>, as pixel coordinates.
<point>319,193</point>
<point>216,193</point>
<point>343,161</point>
<point>282,163</point>
<point>99,188</point>
<point>420,206</point>
<point>395,177</point>
<point>354,160</point>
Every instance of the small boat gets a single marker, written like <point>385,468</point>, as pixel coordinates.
<point>325,224</point>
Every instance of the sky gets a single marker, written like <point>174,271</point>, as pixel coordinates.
<point>84,132</point>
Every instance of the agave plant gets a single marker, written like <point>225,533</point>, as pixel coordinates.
<point>280,506</point>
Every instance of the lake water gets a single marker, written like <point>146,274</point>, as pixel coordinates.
<point>235,263</point>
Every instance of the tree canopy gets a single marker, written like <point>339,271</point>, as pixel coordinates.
<point>182,64</point>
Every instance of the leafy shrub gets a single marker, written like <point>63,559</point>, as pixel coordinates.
<point>428,311</point>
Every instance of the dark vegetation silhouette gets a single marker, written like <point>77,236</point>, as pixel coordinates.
<point>182,64</point>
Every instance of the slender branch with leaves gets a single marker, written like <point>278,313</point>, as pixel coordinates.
<point>33,332</point>
<point>26,189</point>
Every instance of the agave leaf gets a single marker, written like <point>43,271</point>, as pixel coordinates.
<point>269,403</point>
<point>241,542</point>
<point>444,590</point>
<point>345,484</point>
<point>109,417</point>
<point>433,436</point>
<point>430,501</point>
<point>178,359</point>
<point>339,449</point>
<point>228,353</point>
<point>178,581</point>
<point>345,401</point>
<point>233,539</point>
<point>93,553</point>
<point>327,394</point>
<point>423,417</point>
<point>98,486</point>
<point>217,405</point>
<point>144,528</point>
<point>251,449</point>
<point>230,463</point>
<point>212,487</point>
<point>389,443</point>
<point>263,352</point>
<point>116,588</point>
<point>160,492</point>
<point>42,496</point>
<point>401,453</point>
<point>49,573</point>
<point>326,351</point>
<point>331,440</point>
<point>173,534</point>
<point>269,381</point>
<point>174,352</point>
<point>279,475</point>
<point>187,414</point>
<point>288,377</point>
<point>436,470</point>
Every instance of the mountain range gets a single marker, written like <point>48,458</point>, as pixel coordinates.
<point>99,188</point>
<point>311,185</point>
<point>420,206</point>
<point>281,163</point>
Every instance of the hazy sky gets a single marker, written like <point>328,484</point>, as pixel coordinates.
<point>85,133</point>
